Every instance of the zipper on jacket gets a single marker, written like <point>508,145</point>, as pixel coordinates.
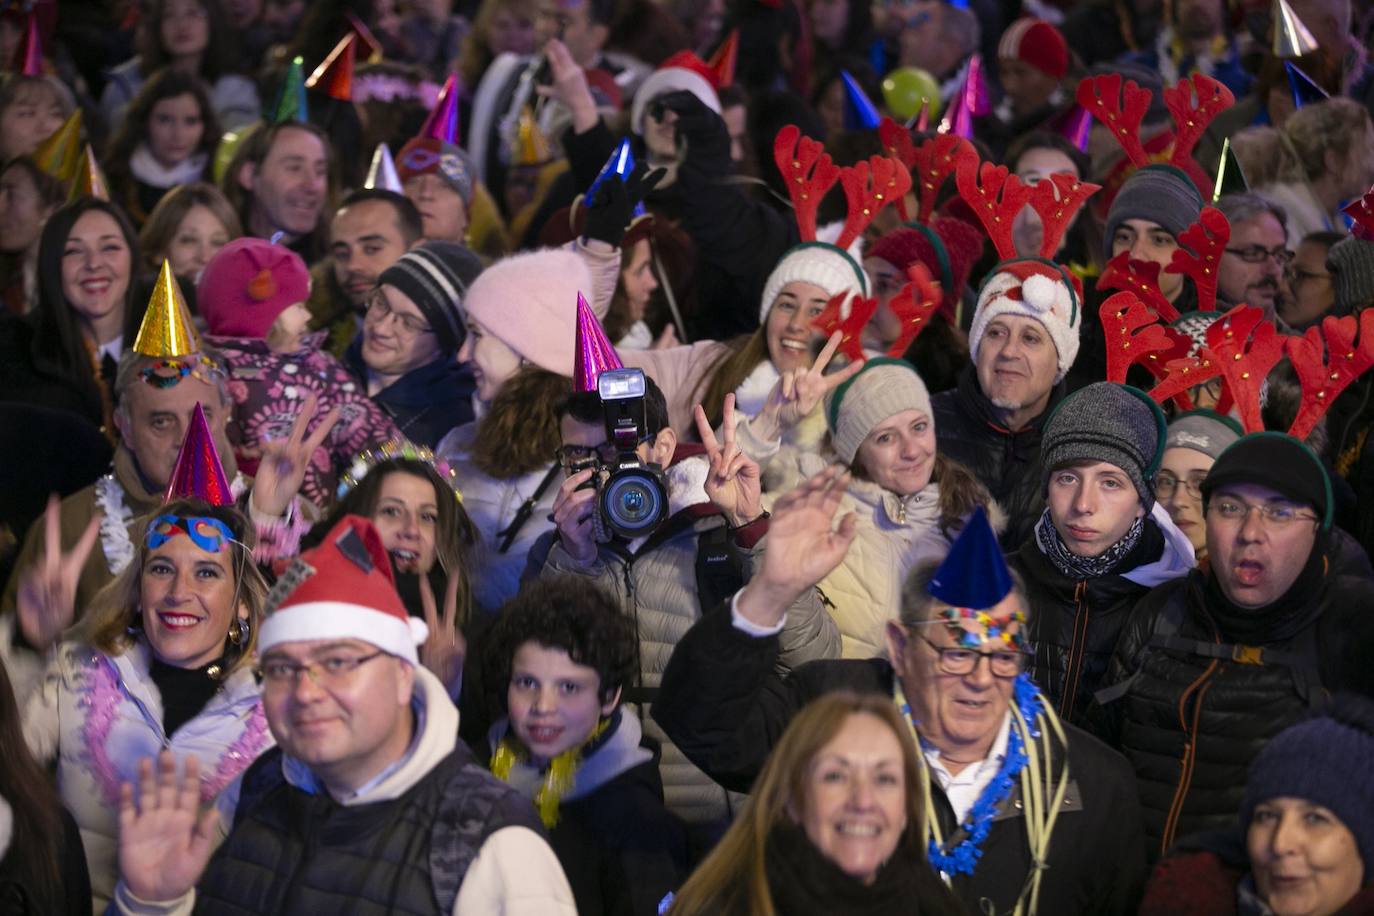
<point>1189,760</point>
<point>1073,670</point>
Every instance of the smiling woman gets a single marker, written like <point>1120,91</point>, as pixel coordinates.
<point>834,824</point>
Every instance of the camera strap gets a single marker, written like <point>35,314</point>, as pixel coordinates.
<point>522,515</point>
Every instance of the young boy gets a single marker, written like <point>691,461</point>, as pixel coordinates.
<point>558,660</point>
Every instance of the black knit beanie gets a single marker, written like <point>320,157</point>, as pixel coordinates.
<point>436,276</point>
<point>1279,462</point>
<point>1107,422</point>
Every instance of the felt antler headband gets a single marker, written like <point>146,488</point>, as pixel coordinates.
<point>1134,335</point>
<point>1242,347</point>
<point>1345,361</point>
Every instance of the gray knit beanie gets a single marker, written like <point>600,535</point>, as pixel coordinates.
<point>1351,262</point>
<point>1159,193</point>
<point>1107,422</point>
<point>1204,431</point>
<point>884,387</point>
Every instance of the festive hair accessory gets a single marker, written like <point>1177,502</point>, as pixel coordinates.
<point>912,306</point>
<point>722,63</point>
<point>198,473</point>
<point>1074,125</point>
<point>59,154</point>
<point>168,373</point>
<point>390,450</point>
<point>974,629</point>
<point>442,123</point>
<point>859,111</point>
<point>995,196</point>
<point>369,48</point>
<point>974,573</point>
<point>1134,335</point>
<point>334,75</point>
<point>1291,37</point>
<point>209,534</point>
<point>1140,278</point>
<point>381,173</point>
<point>1057,200</point>
<point>808,172</point>
<point>28,57</point>
<point>384,87</point>
<point>89,180</point>
<point>1361,213</point>
<point>933,162</point>
<point>1230,176</point>
<point>167,330</point>
<point>1242,347</point>
<point>868,188</point>
<point>291,107</point>
<point>1304,89</point>
<point>1208,237</point>
<point>1122,110</point>
<point>972,101</point>
<point>1346,360</point>
<point>594,353</point>
<point>850,325</point>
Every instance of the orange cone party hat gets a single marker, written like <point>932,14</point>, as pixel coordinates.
<point>594,353</point>
<point>723,61</point>
<point>368,48</point>
<point>167,331</point>
<point>89,180</point>
<point>198,473</point>
<point>59,154</point>
<point>334,77</point>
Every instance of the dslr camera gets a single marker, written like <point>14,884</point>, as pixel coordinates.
<point>632,496</point>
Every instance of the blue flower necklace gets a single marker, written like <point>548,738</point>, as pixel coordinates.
<point>963,858</point>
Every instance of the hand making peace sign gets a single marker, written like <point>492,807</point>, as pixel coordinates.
<point>47,591</point>
<point>733,483</point>
<point>798,392</point>
<point>285,461</point>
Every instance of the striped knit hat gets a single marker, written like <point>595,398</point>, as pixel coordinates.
<point>436,276</point>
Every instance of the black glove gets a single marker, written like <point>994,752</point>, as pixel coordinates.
<point>707,139</point>
<point>611,209</point>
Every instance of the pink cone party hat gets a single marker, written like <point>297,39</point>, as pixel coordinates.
<point>28,57</point>
<point>594,353</point>
<point>198,473</point>
<point>442,123</point>
<point>972,101</point>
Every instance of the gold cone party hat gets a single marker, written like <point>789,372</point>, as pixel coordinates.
<point>167,330</point>
<point>89,180</point>
<point>1291,37</point>
<point>531,146</point>
<point>59,154</point>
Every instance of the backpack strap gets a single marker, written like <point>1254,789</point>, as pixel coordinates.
<point>718,570</point>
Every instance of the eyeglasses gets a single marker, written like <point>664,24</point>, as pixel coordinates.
<point>327,672</point>
<point>378,310</point>
<point>574,458</point>
<point>1255,254</point>
<point>1166,484</point>
<point>959,661</point>
<point>1273,515</point>
<point>1297,275</point>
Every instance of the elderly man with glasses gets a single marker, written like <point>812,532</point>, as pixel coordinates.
<point>1211,666</point>
<point>1012,791</point>
<point>412,329</point>
<point>1255,259</point>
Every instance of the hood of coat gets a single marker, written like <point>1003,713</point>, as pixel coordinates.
<point>617,753</point>
<point>1174,561</point>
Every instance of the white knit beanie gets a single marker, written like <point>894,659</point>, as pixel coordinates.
<point>819,263</point>
<point>1035,289</point>
<point>883,388</point>
<point>529,302</point>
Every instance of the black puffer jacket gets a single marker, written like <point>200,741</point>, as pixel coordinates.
<point>1191,709</point>
<point>1074,623</point>
<point>968,430</point>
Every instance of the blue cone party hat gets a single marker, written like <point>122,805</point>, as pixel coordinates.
<point>1305,90</point>
<point>620,165</point>
<point>973,573</point>
<point>198,472</point>
<point>859,111</point>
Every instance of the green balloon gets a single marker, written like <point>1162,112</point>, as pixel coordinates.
<point>906,88</point>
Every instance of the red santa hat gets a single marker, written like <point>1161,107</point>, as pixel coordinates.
<point>683,71</point>
<point>343,589</point>
<point>1036,43</point>
<point>1032,288</point>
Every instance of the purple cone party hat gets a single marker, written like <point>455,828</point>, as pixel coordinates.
<point>167,331</point>
<point>620,165</point>
<point>291,105</point>
<point>1074,125</point>
<point>381,174</point>
<point>1304,89</point>
<point>1291,37</point>
<point>28,57</point>
<point>442,123</point>
<point>199,474</point>
<point>974,573</point>
<point>859,111</point>
<point>594,353</point>
<point>971,101</point>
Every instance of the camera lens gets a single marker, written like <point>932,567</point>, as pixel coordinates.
<point>633,502</point>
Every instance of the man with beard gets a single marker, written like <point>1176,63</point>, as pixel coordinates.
<point>370,231</point>
<point>1211,666</point>
<point>1254,260</point>
<point>282,186</point>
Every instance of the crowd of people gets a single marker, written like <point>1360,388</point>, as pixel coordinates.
<point>576,456</point>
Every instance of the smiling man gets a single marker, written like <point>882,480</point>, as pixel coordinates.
<point>1023,340</point>
<point>1101,543</point>
<point>282,187</point>
<point>367,770</point>
<point>1213,665</point>
<point>955,669</point>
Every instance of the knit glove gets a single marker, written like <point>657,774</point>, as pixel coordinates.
<point>611,209</point>
<point>708,141</point>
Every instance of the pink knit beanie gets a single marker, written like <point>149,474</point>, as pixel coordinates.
<point>529,302</point>
<point>247,284</point>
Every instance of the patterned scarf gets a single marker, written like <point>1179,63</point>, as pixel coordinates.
<point>1076,567</point>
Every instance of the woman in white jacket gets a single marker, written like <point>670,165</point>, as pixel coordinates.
<point>162,660</point>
